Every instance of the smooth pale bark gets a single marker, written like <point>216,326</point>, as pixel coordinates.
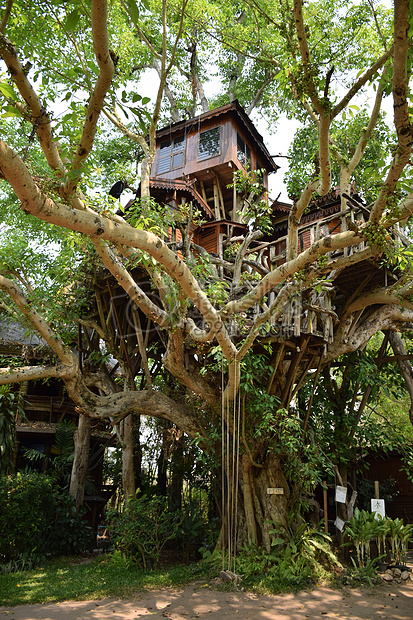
<point>80,461</point>
<point>402,123</point>
<point>128,473</point>
<point>99,15</point>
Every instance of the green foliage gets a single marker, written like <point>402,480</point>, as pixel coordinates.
<point>60,465</point>
<point>361,530</point>
<point>36,520</point>
<point>27,505</point>
<point>194,528</point>
<point>399,537</point>
<point>142,530</point>
<point>391,535</point>
<point>256,210</point>
<point>299,556</point>
<point>69,532</point>
<point>10,408</point>
<point>362,574</point>
<point>345,135</point>
<point>146,214</point>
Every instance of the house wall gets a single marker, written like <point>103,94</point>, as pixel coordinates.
<point>228,149</point>
<point>392,466</point>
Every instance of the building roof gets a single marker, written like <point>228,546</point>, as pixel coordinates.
<point>15,339</point>
<point>184,187</point>
<point>234,109</point>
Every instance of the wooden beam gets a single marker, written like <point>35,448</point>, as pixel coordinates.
<point>292,372</point>
<point>142,349</point>
<point>393,358</point>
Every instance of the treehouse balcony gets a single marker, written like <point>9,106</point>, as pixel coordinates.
<point>312,313</point>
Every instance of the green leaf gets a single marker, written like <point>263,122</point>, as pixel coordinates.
<point>7,90</point>
<point>72,20</point>
<point>133,11</point>
<point>10,110</point>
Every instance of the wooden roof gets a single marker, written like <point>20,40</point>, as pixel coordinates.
<point>184,187</point>
<point>237,111</point>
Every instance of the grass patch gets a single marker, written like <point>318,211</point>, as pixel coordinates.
<point>68,579</point>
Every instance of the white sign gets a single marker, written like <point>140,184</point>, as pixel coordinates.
<point>377,506</point>
<point>339,523</point>
<point>341,494</point>
<point>275,491</point>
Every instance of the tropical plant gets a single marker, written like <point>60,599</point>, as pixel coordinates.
<point>399,537</point>
<point>304,541</point>
<point>37,520</point>
<point>361,530</point>
<point>10,408</point>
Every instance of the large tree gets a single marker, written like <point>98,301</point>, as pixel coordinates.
<point>234,366</point>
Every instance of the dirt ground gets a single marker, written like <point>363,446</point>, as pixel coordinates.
<point>386,601</point>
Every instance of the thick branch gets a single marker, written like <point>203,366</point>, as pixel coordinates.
<point>386,317</point>
<point>39,324</point>
<point>6,15</point>
<point>173,361</point>
<point>31,373</point>
<point>361,82</point>
<point>103,83</point>
<point>113,264</point>
<point>402,122</point>
<point>40,118</point>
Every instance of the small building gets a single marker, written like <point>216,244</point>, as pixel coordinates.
<point>45,405</point>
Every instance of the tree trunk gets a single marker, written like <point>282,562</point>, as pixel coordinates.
<point>162,480</point>
<point>137,453</point>
<point>257,510</point>
<point>80,461</point>
<point>177,478</point>
<point>128,474</point>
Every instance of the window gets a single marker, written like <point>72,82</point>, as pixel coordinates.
<point>209,143</point>
<point>171,154</point>
<point>243,152</point>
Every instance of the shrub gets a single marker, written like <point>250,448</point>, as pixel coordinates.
<point>27,506</point>
<point>35,520</point>
<point>142,530</point>
<point>69,532</point>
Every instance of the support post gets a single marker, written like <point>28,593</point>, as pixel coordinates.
<point>325,501</point>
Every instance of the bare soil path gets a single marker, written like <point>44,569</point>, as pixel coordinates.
<point>386,601</point>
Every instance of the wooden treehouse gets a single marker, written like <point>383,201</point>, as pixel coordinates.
<point>195,162</point>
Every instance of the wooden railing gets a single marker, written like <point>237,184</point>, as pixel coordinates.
<point>312,312</point>
<point>50,408</point>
